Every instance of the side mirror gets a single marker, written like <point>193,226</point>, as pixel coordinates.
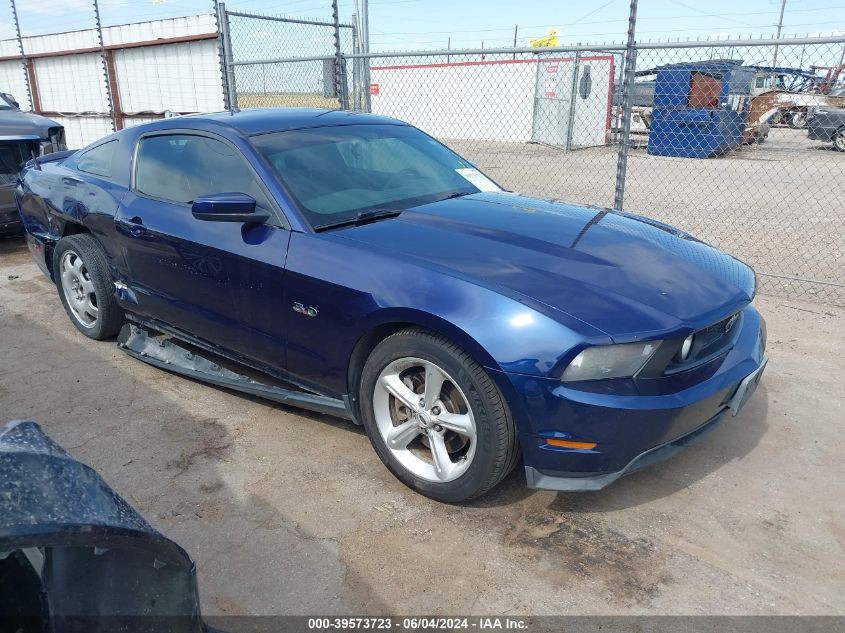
<point>228,207</point>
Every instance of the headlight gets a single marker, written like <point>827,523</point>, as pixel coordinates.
<point>686,346</point>
<point>610,361</point>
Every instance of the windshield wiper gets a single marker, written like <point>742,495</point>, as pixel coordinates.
<point>362,218</point>
<point>457,194</point>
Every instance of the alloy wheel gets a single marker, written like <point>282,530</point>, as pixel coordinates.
<point>78,289</point>
<point>425,419</point>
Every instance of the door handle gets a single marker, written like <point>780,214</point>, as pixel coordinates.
<point>69,180</point>
<point>134,226</point>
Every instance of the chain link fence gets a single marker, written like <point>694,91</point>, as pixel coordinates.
<point>738,145</point>
<point>741,143</point>
<point>286,62</point>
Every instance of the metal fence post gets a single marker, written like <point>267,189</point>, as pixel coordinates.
<point>109,87</point>
<point>340,63</point>
<point>224,79</point>
<point>356,67</point>
<point>627,84</point>
<point>228,59</point>
<point>573,99</point>
<point>23,56</point>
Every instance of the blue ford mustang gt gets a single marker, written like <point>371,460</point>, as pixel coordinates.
<point>351,264</point>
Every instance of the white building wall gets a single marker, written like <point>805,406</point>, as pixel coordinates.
<point>131,121</point>
<point>112,35</point>
<point>83,130</point>
<point>13,81</point>
<point>493,100</point>
<point>72,83</point>
<point>177,77</point>
<point>490,101</point>
<point>153,78</point>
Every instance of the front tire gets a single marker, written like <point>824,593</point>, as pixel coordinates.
<point>435,418</point>
<point>798,120</point>
<point>839,140</point>
<point>86,287</point>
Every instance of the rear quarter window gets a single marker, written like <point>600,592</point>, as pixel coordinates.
<point>98,160</point>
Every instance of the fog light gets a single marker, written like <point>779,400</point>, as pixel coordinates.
<point>686,346</point>
<point>553,441</point>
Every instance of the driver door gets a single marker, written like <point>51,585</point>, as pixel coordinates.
<point>220,281</point>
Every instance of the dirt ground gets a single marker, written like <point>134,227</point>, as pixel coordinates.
<point>291,513</point>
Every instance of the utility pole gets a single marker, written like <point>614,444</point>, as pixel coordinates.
<point>780,28</point>
<point>515,33</point>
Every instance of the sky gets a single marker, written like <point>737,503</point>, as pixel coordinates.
<point>431,24</point>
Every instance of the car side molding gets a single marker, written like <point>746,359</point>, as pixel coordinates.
<point>161,351</point>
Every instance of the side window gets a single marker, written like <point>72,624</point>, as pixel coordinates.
<point>183,167</point>
<point>98,161</point>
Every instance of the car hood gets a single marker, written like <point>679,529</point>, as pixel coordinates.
<point>625,275</point>
<point>17,125</point>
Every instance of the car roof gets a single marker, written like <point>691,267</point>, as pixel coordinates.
<point>262,120</point>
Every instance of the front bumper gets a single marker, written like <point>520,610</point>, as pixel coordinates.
<point>630,431</point>
<point>547,481</point>
<point>10,221</point>
<point>38,250</point>
<point>821,130</point>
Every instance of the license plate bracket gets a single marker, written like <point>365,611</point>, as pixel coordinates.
<point>746,388</point>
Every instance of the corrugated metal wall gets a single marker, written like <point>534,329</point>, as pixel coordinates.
<point>72,83</point>
<point>12,80</point>
<point>177,77</point>
<point>154,74</point>
<point>83,130</point>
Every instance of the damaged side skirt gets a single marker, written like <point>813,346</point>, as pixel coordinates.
<point>164,353</point>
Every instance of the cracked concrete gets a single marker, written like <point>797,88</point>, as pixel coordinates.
<point>287,512</point>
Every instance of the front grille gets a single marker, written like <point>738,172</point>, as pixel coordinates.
<point>708,343</point>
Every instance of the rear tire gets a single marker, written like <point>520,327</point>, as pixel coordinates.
<point>86,287</point>
<point>456,446</point>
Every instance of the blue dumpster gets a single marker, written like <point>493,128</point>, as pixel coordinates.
<point>699,108</point>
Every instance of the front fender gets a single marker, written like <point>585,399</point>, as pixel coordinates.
<point>355,292</point>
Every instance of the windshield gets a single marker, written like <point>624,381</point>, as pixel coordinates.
<point>12,158</point>
<point>338,173</point>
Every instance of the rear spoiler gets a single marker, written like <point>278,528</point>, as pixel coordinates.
<point>35,163</point>
<point>55,156</point>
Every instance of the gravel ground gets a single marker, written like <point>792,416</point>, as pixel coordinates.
<point>291,513</point>
<point>779,205</point>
